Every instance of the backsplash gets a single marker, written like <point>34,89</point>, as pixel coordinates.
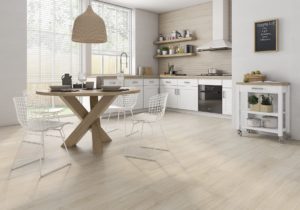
<point>198,20</point>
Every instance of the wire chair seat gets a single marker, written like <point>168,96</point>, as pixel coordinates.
<point>38,125</point>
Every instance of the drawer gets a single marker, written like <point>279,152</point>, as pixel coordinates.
<point>227,83</point>
<point>259,89</point>
<point>133,82</point>
<point>151,82</point>
<point>188,82</point>
<point>112,82</point>
<point>168,82</point>
<point>210,82</point>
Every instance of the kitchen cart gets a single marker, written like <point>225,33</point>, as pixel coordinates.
<point>280,94</point>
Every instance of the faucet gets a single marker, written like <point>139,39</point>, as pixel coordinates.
<point>121,64</point>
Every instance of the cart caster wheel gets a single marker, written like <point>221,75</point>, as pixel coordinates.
<point>240,133</point>
<point>281,139</point>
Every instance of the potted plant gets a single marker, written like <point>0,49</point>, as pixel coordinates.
<point>164,50</point>
<point>266,104</point>
<point>253,102</point>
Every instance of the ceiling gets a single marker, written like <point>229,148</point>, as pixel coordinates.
<point>157,6</point>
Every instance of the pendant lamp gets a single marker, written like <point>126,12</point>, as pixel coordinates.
<point>89,28</point>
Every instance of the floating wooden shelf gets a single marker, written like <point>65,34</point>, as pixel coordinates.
<point>175,40</point>
<point>175,55</point>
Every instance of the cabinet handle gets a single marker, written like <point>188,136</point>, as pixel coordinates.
<point>256,88</point>
<point>223,93</point>
<point>168,82</point>
<point>175,91</point>
<point>134,82</point>
<point>178,91</point>
<point>186,82</point>
<point>151,81</point>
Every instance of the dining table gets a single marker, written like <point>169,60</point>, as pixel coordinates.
<point>89,120</point>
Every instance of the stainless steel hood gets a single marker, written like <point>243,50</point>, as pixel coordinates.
<point>220,28</point>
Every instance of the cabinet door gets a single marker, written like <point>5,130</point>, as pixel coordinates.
<point>188,98</point>
<point>172,98</point>
<point>227,101</point>
<point>148,92</point>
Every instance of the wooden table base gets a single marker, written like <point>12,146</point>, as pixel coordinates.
<point>89,120</point>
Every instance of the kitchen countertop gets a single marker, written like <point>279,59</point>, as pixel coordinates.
<point>194,77</point>
<point>265,83</point>
<point>164,77</point>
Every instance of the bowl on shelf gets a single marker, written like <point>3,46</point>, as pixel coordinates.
<point>254,122</point>
<point>270,122</point>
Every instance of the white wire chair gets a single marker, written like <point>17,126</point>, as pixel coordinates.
<point>156,112</point>
<point>34,123</point>
<point>123,104</point>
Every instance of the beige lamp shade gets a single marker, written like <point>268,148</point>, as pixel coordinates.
<point>89,28</point>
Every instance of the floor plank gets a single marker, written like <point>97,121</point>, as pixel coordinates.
<point>208,167</point>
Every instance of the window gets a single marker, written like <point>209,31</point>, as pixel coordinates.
<point>106,56</point>
<point>50,51</point>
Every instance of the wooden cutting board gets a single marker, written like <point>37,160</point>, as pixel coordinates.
<point>148,71</point>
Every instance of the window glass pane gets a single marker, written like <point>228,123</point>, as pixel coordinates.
<point>50,50</point>
<point>118,27</point>
<point>97,64</point>
<point>110,64</point>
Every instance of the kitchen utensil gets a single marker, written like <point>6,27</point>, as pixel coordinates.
<point>141,70</point>
<point>99,82</point>
<point>89,85</point>
<point>66,79</point>
<point>212,71</point>
<point>148,71</point>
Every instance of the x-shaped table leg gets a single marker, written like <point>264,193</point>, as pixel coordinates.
<point>89,120</point>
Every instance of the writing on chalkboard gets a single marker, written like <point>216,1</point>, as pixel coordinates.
<point>266,35</point>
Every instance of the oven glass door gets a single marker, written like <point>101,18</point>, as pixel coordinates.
<point>210,98</point>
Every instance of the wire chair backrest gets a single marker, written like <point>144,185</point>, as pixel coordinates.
<point>126,101</point>
<point>26,111</point>
<point>157,105</point>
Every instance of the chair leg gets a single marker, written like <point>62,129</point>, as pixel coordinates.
<point>124,112</point>
<point>142,129</point>
<point>63,166</point>
<point>109,116</point>
<point>27,163</point>
<point>42,151</point>
<point>66,148</point>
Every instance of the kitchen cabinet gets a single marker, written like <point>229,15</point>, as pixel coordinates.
<point>183,93</point>
<point>227,101</point>
<point>188,94</point>
<point>172,101</point>
<point>151,88</point>
<point>137,83</point>
<point>227,97</point>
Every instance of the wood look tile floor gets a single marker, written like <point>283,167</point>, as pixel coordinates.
<point>209,167</point>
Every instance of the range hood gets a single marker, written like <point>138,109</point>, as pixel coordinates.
<point>220,28</point>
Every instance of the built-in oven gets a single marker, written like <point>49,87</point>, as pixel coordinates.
<point>210,98</point>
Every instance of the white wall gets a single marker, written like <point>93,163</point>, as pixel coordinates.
<point>282,65</point>
<point>12,57</point>
<point>145,25</point>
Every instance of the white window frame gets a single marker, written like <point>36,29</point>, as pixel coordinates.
<point>87,52</point>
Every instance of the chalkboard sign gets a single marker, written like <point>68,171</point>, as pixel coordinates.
<point>266,35</point>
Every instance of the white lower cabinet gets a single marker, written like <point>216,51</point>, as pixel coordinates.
<point>151,88</point>
<point>183,94</point>
<point>188,98</point>
<point>227,101</point>
<point>172,101</point>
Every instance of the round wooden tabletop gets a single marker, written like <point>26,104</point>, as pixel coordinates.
<point>95,92</point>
